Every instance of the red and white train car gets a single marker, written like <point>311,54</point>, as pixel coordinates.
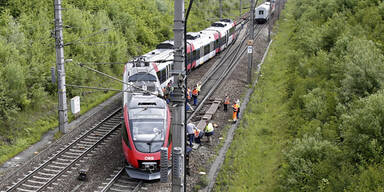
<point>146,122</point>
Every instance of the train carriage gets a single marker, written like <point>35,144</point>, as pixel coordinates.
<point>262,13</point>
<point>146,122</point>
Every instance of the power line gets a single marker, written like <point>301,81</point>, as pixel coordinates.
<point>116,79</point>
<point>88,36</point>
<point>96,88</point>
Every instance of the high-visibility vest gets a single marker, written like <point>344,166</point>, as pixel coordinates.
<point>234,107</point>
<point>189,93</point>
<point>198,87</point>
<point>195,92</point>
<point>226,100</point>
<point>209,128</point>
<point>197,132</point>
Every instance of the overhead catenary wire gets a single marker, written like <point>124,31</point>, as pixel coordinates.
<point>103,30</point>
<point>96,88</point>
<point>116,79</point>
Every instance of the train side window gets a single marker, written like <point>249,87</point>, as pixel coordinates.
<point>194,55</point>
<point>189,57</point>
<point>206,49</point>
<point>232,30</point>
<point>168,71</point>
<point>217,44</point>
<point>223,40</point>
<point>159,75</point>
<point>162,75</point>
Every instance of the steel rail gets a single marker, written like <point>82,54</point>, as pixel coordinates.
<point>229,68</point>
<point>117,177</point>
<point>71,145</point>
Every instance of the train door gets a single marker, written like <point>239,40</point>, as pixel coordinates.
<point>212,51</point>
<point>202,54</point>
<point>168,68</point>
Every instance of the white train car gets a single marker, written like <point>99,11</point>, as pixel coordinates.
<point>161,61</point>
<point>203,45</point>
<point>262,13</point>
<point>199,48</point>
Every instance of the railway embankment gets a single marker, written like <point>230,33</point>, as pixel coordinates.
<point>315,122</point>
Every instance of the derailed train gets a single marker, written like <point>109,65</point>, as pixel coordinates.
<point>147,117</point>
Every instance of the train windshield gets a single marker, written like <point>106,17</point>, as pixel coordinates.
<point>148,135</point>
<point>148,130</point>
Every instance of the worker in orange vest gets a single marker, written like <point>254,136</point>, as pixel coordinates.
<point>235,109</point>
<point>195,93</point>
<point>226,103</point>
<point>189,94</point>
<point>238,108</point>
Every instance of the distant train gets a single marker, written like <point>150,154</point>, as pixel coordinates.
<point>147,118</point>
<point>264,11</point>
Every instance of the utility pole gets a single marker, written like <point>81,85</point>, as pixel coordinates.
<point>241,8</point>
<point>221,9</point>
<point>270,20</point>
<point>63,116</point>
<point>178,122</point>
<point>250,41</point>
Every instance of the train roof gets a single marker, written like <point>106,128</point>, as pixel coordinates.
<point>193,35</point>
<point>168,44</point>
<point>146,101</point>
<point>227,20</point>
<point>265,6</point>
<point>219,24</point>
<point>147,107</point>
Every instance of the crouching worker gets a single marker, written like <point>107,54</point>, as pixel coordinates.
<point>198,135</point>
<point>190,133</point>
<point>208,130</point>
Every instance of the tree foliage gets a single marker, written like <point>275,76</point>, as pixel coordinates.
<point>336,98</point>
<point>95,31</point>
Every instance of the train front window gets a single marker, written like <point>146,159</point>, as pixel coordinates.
<point>148,130</point>
<point>261,12</point>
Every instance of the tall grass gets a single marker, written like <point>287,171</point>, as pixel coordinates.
<point>254,158</point>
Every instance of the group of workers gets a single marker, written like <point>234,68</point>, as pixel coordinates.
<point>235,107</point>
<point>194,135</point>
<point>191,95</point>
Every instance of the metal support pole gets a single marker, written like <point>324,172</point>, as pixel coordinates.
<point>250,41</point>
<point>270,21</point>
<point>241,7</point>
<point>164,165</point>
<point>221,9</point>
<point>63,116</point>
<point>178,125</point>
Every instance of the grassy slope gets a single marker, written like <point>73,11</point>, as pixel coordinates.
<point>43,122</point>
<point>255,155</point>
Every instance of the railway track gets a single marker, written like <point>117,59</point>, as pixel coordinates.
<point>69,156</point>
<point>121,182</point>
<point>223,68</point>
